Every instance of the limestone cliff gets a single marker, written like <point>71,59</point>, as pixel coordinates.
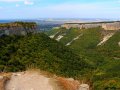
<point>17,28</point>
<point>111,26</point>
<point>105,25</point>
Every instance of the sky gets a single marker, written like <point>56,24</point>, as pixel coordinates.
<point>35,9</point>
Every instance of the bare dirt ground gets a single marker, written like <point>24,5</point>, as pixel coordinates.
<point>30,80</point>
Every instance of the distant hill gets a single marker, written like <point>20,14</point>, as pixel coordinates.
<point>100,47</point>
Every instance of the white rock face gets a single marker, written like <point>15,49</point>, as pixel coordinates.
<point>74,40</point>
<point>105,26</point>
<point>106,38</point>
<point>80,26</point>
<point>119,43</point>
<point>52,36</point>
<point>111,26</point>
<point>59,37</point>
<point>84,87</point>
<point>68,44</point>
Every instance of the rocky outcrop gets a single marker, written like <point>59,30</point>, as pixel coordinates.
<point>79,26</point>
<point>104,25</point>
<point>111,26</point>
<point>17,28</point>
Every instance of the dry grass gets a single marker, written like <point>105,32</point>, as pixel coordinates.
<point>4,78</point>
<point>59,83</point>
<point>67,84</point>
<point>41,72</point>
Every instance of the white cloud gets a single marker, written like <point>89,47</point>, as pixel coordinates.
<point>26,2</point>
<point>17,5</point>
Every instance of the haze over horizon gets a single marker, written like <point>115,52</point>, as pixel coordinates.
<point>31,9</point>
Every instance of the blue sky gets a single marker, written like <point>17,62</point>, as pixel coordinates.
<point>32,9</point>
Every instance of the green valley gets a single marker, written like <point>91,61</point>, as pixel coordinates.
<point>104,56</point>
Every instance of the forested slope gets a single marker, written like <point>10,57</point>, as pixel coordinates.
<point>39,51</point>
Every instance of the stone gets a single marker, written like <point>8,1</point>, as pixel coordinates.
<point>119,43</point>
<point>84,87</point>
<point>104,25</point>
<point>1,77</point>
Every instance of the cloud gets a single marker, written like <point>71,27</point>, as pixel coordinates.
<point>26,2</point>
<point>17,5</point>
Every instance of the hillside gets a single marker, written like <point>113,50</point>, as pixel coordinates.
<point>39,51</point>
<point>102,50</point>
